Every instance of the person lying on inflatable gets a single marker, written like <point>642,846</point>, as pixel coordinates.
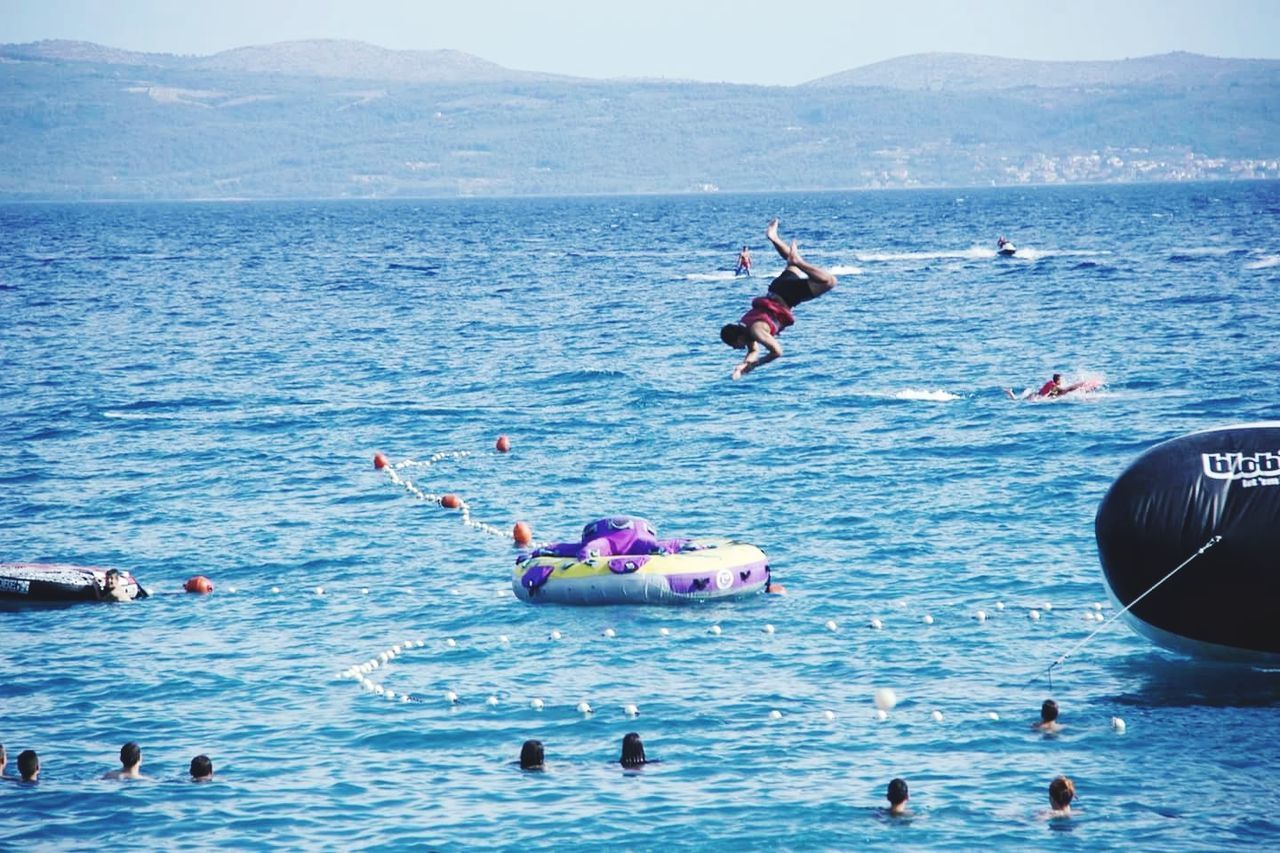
<point>616,536</point>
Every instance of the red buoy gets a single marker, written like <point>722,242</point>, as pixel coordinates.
<point>504,444</point>
<point>522,533</point>
<point>380,461</point>
<point>198,584</point>
<point>450,501</point>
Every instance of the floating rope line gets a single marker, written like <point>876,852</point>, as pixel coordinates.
<point>447,501</point>
<point>1214,540</point>
<point>369,675</point>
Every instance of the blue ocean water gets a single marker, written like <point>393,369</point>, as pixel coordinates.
<point>200,388</point>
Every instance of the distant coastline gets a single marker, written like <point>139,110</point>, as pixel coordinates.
<point>1208,182</point>
<point>337,119</point>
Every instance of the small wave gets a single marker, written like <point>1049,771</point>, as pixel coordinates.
<point>845,269</point>
<point>135,416</point>
<point>430,270</point>
<point>1196,252</point>
<point>928,396</point>
<point>1263,263</point>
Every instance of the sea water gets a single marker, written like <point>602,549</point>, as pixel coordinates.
<point>200,388</point>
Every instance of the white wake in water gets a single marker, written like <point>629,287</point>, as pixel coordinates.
<point>925,395</point>
<point>727,275</point>
<point>722,275</point>
<point>977,253</point>
<point>1264,263</point>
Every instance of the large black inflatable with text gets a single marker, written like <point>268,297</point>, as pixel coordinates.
<point>1171,502</point>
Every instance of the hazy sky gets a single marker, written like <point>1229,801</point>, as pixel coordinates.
<point>740,41</point>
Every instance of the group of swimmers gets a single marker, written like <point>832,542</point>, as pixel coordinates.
<point>799,282</point>
<point>533,756</point>
<point>1061,790</point>
<point>201,768</point>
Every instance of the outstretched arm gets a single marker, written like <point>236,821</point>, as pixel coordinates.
<point>753,359</point>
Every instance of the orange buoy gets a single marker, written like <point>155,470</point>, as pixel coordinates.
<point>199,584</point>
<point>380,461</point>
<point>522,533</point>
<point>776,589</point>
<point>504,444</point>
<point>450,501</point>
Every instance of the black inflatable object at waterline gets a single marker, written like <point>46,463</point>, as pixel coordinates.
<point>1166,506</point>
<point>59,583</point>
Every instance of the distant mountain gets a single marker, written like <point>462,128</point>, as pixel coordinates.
<point>354,60</point>
<point>338,119</point>
<point>331,58</point>
<point>943,72</point>
<point>61,50</point>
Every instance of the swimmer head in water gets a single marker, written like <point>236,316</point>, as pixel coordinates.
<point>201,769</point>
<point>531,757</point>
<point>1061,792</point>
<point>632,750</point>
<point>1048,717</point>
<point>897,796</point>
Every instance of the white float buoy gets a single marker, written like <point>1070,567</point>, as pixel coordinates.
<point>829,716</point>
<point>768,627</point>
<point>981,616</point>
<point>378,690</point>
<point>491,701</point>
<point>609,632</point>
<point>555,635</point>
<point>1097,605</point>
<point>663,632</point>
<point>882,714</point>
<point>775,715</point>
<point>451,643</point>
<point>584,707</point>
<point>451,697</point>
<point>631,710</point>
<point>875,623</point>
<point>999,605</point>
<point>1046,607</point>
<point>275,590</point>
<point>928,620</point>
<point>319,590</point>
<point>231,589</point>
<point>1118,724</point>
<point>714,630</point>
<point>536,704</point>
<point>831,625</point>
<point>937,716</point>
<point>1033,615</point>
<point>364,590</point>
<point>885,699</point>
<point>390,694</point>
<point>404,697</point>
<point>992,715</point>
<point>504,639</point>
